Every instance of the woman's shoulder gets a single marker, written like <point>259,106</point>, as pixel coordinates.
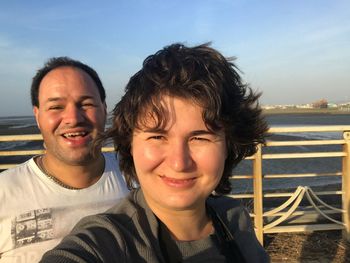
<point>237,219</point>
<point>226,205</point>
<point>122,213</point>
<point>232,213</point>
<point>128,216</point>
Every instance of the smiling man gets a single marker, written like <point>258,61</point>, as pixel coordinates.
<point>43,198</point>
<point>70,113</point>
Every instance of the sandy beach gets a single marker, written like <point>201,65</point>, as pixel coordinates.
<point>316,247</point>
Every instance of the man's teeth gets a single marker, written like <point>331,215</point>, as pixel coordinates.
<point>74,134</point>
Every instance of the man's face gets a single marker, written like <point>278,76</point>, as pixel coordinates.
<point>70,115</point>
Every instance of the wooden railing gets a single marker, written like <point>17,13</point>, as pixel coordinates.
<point>28,137</point>
<point>284,216</point>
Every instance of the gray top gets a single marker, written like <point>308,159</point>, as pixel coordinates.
<point>204,250</point>
<point>128,232</point>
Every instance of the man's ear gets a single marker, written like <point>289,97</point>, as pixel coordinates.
<point>36,115</point>
<point>105,108</point>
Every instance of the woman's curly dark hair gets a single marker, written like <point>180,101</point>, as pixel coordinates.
<point>199,74</point>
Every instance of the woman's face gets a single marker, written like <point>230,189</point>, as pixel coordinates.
<point>178,166</point>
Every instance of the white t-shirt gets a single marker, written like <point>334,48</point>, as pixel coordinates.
<point>36,213</point>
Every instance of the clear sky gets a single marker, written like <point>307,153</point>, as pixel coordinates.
<point>294,51</point>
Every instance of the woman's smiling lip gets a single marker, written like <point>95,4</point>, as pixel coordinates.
<point>178,183</point>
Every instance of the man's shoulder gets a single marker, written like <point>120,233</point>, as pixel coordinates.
<point>129,205</point>
<point>121,213</point>
<point>132,207</point>
<point>128,216</point>
<point>13,173</point>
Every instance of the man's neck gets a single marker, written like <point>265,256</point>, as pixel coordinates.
<point>73,176</point>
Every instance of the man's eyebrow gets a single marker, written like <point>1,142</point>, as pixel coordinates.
<point>85,97</point>
<point>53,99</point>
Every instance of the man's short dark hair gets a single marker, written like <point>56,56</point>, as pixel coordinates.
<point>57,62</point>
<point>199,74</point>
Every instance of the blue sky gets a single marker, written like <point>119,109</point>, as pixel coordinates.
<point>293,51</point>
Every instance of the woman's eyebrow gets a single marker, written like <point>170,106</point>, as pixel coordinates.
<point>192,133</point>
<point>202,132</point>
<point>154,130</point>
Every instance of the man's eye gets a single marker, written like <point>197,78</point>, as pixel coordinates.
<point>56,107</point>
<point>87,105</point>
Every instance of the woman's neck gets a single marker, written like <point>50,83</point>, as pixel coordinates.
<point>186,225</point>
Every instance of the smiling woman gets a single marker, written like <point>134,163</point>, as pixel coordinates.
<point>184,161</point>
<point>185,121</point>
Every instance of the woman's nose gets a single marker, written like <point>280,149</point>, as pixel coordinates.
<point>179,157</point>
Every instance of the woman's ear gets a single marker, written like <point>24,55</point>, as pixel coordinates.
<point>131,148</point>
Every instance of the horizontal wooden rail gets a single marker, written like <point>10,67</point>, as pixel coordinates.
<point>328,128</point>
<point>35,152</point>
<point>20,153</point>
<point>302,155</point>
<point>241,176</point>
<point>272,195</point>
<point>304,143</point>
<point>16,138</point>
<point>301,213</point>
<point>241,196</point>
<point>303,228</point>
<point>274,176</point>
<point>282,195</point>
<point>107,149</point>
<point>6,166</point>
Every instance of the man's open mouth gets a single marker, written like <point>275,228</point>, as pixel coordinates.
<point>74,134</point>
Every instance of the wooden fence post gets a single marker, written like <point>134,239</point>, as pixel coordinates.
<point>258,194</point>
<point>346,185</point>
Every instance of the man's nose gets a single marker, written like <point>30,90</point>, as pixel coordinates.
<point>73,115</point>
<point>179,157</point>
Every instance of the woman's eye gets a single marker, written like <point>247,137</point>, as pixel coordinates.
<point>200,139</point>
<point>156,137</point>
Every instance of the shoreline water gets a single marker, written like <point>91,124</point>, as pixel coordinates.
<point>309,111</point>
